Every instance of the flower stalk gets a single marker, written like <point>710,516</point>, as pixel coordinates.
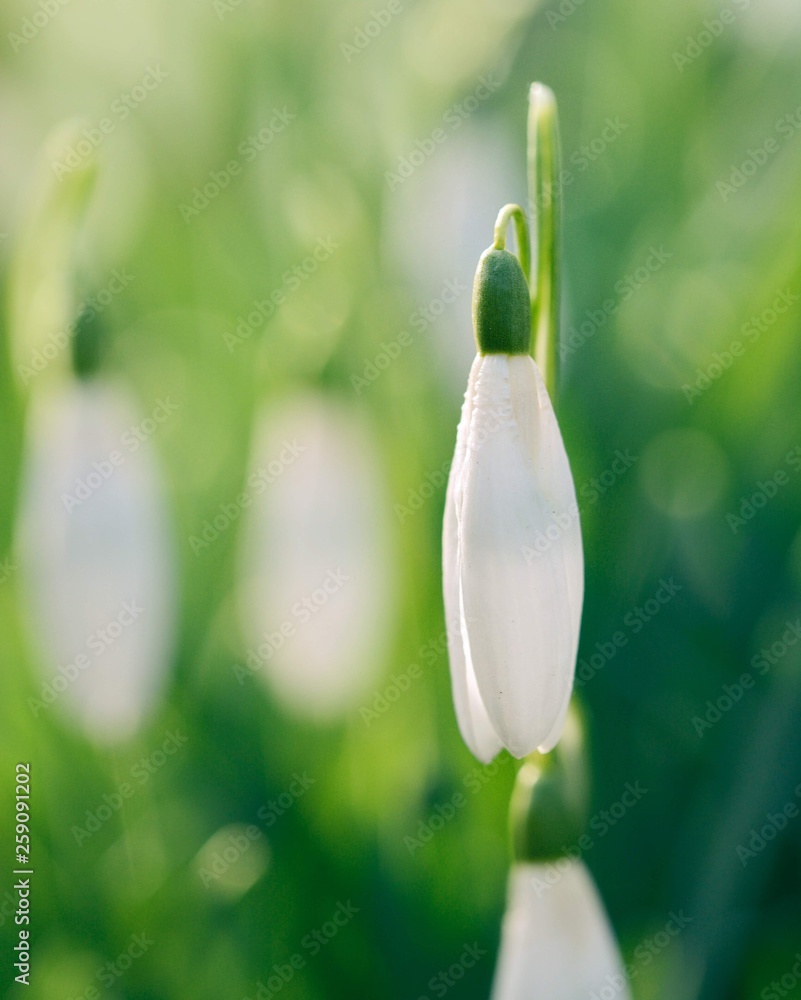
<point>545,207</point>
<point>514,213</point>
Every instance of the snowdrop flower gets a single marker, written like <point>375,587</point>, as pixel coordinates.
<point>96,556</point>
<point>513,565</point>
<point>317,578</point>
<point>93,538</point>
<point>556,941</point>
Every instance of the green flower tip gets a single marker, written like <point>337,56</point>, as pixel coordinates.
<point>87,344</point>
<point>550,802</point>
<point>501,304</point>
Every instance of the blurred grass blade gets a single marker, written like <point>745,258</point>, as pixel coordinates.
<point>40,297</point>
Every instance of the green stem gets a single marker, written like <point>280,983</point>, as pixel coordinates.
<point>545,205</point>
<point>550,802</point>
<point>505,216</point>
<point>41,300</point>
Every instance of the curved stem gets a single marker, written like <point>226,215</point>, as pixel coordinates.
<point>505,216</point>
<point>545,205</point>
<point>41,297</point>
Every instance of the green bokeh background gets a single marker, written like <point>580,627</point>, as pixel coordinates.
<point>645,188</point>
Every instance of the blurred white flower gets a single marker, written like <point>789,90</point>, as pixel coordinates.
<point>317,576</point>
<point>96,556</point>
<point>556,942</point>
<point>513,564</point>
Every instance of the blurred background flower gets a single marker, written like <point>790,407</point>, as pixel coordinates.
<point>316,573</point>
<point>298,221</point>
<point>556,935</point>
<point>95,557</point>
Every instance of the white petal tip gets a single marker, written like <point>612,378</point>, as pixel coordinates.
<point>486,757</point>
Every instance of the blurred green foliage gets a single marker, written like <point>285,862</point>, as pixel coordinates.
<point>681,132</point>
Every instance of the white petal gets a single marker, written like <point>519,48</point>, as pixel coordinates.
<point>98,577</point>
<point>517,602</point>
<point>556,941</point>
<point>544,443</point>
<point>471,716</point>
<point>555,480</point>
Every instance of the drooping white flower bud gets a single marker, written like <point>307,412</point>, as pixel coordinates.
<point>556,940</point>
<point>95,555</point>
<point>513,564</point>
